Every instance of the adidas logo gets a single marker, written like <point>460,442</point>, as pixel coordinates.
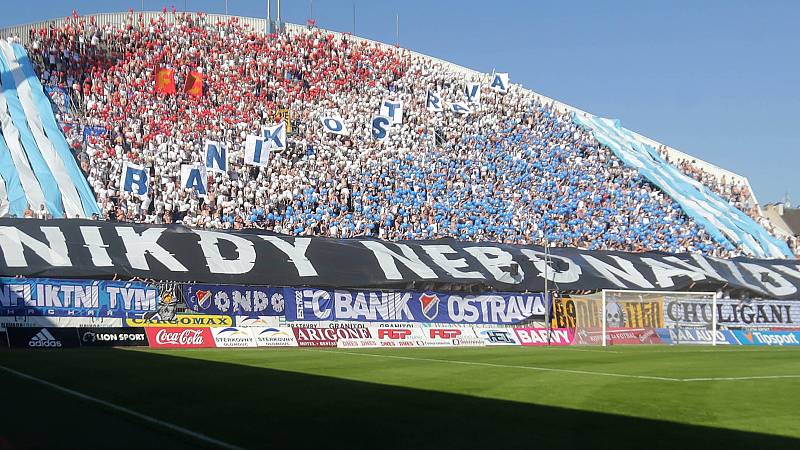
<point>44,339</point>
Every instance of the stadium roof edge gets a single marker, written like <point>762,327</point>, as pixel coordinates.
<point>260,24</point>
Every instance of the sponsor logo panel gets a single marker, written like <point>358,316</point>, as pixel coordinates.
<point>183,320</point>
<point>233,337</point>
<point>112,337</point>
<point>618,336</point>
<point>497,336</point>
<point>43,338</point>
<point>179,337</point>
<point>327,337</point>
<point>544,336</point>
<point>694,336</point>
<point>258,321</point>
<point>274,337</point>
<point>770,338</point>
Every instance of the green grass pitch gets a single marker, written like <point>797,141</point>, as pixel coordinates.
<point>641,397</point>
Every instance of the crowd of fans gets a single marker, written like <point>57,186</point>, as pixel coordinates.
<point>734,190</point>
<point>514,170</point>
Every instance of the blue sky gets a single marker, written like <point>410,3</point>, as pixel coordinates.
<point>716,79</point>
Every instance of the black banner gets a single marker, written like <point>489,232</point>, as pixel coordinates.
<point>42,338</point>
<point>88,249</point>
<point>112,337</point>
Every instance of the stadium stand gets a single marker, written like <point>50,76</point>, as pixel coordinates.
<point>517,169</point>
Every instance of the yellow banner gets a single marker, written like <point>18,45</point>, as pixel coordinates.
<point>184,320</point>
<point>588,314</point>
<point>284,115</point>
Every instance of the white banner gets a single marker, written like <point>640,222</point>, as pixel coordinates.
<point>380,128</point>
<point>499,83</point>
<point>134,179</point>
<point>460,108</point>
<point>433,101</point>
<point>216,157</point>
<point>334,125</point>
<point>256,152</point>
<point>275,136</point>
<point>393,110</point>
<point>473,92</point>
<point>194,177</point>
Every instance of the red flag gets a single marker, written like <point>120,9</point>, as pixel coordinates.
<point>194,84</point>
<point>165,81</point>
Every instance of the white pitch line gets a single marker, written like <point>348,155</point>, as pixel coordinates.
<point>504,366</point>
<point>138,415</point>
<point>763,377</point>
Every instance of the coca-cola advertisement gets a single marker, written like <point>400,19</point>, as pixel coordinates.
<point>179,337</point>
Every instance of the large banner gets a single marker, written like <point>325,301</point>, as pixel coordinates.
<point>75,298</point>
<point>91,249</point>
<point>432,307</point>
<point>234,300</point>
<point>732,313</point>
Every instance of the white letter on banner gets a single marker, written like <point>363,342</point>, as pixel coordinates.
<point>216,157</point>
<point>433,102</point>
<point>451,266</point>
<point>97,248</point>
<point>775,283</point>
<point>460,108</point>
<point>54,252</point>
<point>296,254</point>
<point>570,275</point>
<point>133,174</point>
<point>379,131</point>
<point>256,152</point>
<point>473,92</point>
<point>334,125</point>
<point>194,177</point>
<point>627,271</point>
<point>275,136</point>
<point>665,273</point>
<point>499,83</point>
<point>393,109</point>
<point>494,259</point>
<point>409,259</point>
<point>217,263</point>
<point>138,245</point>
